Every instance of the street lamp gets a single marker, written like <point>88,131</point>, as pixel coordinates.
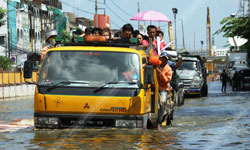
<point>175,11</point>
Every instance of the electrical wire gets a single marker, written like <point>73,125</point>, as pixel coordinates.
<point>121,9</point>
<point>97,2</point>
<point>117,15</point>
<point>76,7</point>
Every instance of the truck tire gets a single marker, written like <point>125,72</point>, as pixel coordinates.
<point>204,90</point>
<point>181,99</point>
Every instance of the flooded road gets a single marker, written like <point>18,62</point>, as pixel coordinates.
<point>219,121</point>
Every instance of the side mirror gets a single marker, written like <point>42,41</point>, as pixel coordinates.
<point>148,74</point>
<point>181,85</point>
<point>28,68</point>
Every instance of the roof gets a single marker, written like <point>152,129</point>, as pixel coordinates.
<point>95,48</point>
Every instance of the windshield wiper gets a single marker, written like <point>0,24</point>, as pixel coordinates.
<point>113,82</point>
<point>65,83</point>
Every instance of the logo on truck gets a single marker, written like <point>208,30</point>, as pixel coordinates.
<point>86,106</point>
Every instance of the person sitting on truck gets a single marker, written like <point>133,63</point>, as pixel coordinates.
<point>151,31</point>
<point>161,35</point>
<point>106,33</point>
<point>97,31</point>
<point>127,31</point>
<point>164,76</point>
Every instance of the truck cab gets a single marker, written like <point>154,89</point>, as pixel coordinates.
<point>193,74</point>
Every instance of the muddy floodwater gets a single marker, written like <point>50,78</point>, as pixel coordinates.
<point>219,121</point>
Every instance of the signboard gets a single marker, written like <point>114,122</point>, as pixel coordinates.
<point>21,59</point>
<point>103,21</point>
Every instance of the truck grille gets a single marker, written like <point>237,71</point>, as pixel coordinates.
<point>186,82</point>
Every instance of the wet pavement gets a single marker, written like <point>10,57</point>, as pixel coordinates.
<point>219,121</point>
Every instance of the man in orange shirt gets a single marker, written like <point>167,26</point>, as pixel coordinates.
<point>164,76</point>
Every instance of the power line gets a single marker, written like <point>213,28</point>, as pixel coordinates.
<point>97,2</point>
<point>121,9</point>
<point>77,8</point>
<point>117,15</point>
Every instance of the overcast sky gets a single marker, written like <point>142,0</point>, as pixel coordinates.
<point>192,12</point>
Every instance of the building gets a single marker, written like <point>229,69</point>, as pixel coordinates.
<point>219,52</point>
<point>28,23</point>
<point>3,33</point>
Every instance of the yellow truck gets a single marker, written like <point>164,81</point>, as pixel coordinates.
<point>95,84</point>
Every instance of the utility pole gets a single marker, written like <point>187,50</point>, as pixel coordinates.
<point>208,33</point>
<point>138,5</point>
<point>194,44</point>
<point>175,11</point>
<point>96,17</point>
<point>183,38</point>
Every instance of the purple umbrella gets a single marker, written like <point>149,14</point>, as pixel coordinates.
<point>151,16</point>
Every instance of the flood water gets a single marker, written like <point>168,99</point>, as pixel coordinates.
<point>219,121</point>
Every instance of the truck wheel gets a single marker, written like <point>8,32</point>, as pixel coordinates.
<point>181,97</point>
<point>204,90</point>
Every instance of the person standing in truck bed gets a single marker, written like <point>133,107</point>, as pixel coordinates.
<point>164,76</point>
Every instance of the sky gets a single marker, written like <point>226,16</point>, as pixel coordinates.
<point>193,13</point>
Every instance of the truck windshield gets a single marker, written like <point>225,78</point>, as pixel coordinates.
<point>188,65</point>
<point>95,68</point>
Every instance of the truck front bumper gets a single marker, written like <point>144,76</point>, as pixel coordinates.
<point>192,91</point>
<point>52,120</point>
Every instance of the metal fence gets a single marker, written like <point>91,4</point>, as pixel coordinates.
<point>12,78</point>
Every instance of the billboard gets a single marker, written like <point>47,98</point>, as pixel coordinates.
<point>103,21</point>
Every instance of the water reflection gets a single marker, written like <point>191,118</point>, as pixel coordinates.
<point>103,138</point>
<point>214,122</point>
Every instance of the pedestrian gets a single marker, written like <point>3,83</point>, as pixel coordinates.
<point>164,76</point>
<point>223,78</point>
<point>236,81</point>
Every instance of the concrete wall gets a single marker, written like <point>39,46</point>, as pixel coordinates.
<point>17,91</point>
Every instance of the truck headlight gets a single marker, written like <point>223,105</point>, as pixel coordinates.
<point>46,120</point>
<point>128,123</point>
<point>196,82</point>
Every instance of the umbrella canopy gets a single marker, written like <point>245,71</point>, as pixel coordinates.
<point>151,16</point>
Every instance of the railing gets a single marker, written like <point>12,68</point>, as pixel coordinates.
<point>12,78</point>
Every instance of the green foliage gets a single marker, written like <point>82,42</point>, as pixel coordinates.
<point>91,23</point>
<point>5,63</point>
<point>235,26</point>
<point>2,14</point>
<point>78,31</point>
<point>66,37</point>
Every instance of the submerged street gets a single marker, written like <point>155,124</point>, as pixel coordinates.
<point>219,121</point>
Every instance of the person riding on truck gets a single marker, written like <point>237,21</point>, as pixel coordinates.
<point>164,76</point>
<point>50,43</point>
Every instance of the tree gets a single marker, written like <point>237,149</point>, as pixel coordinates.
<point>78,31</point>
<point>5,63</point>
<point>235,26</point>
<point>66,37</point>
<point>2,14</point>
